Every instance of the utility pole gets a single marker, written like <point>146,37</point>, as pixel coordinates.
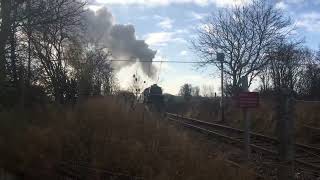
<point>245,88</point>
<point>285,132</point>
<point>220,57</point>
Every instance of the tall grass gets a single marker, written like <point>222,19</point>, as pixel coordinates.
<point>109,134</point>
<point>263,118</point>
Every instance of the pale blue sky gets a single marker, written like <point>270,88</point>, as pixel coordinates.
<point>168,25</point>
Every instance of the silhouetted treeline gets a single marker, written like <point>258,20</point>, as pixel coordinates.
<point>45,55</point>
<point>187,91</point>
<point>295,67</point>
<point>258,42</point>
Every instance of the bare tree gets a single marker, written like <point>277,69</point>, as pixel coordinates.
<point>285,71</point>
<point>91,67</point>
<point>284,67</point>
<point>207,91</point>
<point>4,36</point>
<point>309,80</point>
<point>195,91</point>
<point>265,80</point>
<point>245,34</point>
<point>49,42</point>
<point>94,72</point>
<point>186,91</point>
<point>33,36</point>
<point>137,85</point>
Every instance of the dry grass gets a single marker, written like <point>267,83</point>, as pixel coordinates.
<point>263,118</point>
<point>108,134</point>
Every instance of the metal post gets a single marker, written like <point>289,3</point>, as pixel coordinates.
<point>245,88</point>
<point>220,57</point>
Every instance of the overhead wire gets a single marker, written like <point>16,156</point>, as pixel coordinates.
<point>160,61</point>
<point>187,62</point>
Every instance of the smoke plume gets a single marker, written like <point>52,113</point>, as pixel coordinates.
<point>120,40</point>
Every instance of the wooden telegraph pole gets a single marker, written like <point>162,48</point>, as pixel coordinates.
<point>285,133</point>
<point>245,88</point>
<point>247,100</point>
<point>220,58</point>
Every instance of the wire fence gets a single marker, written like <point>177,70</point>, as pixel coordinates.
<point>306,101</point>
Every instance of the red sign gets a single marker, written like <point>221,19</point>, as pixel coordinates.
<point>248,99</point>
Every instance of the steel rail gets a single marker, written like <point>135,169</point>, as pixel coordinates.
<point>227,137</point>
<point>268,138</point>
<point>301,148</point>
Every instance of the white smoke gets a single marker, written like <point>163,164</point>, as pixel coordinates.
<point>120,40</point>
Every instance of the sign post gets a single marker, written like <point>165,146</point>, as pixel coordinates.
<point>247,100</point>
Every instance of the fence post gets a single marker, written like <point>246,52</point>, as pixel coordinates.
<point>285,133</point>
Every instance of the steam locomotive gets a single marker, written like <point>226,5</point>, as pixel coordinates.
<point>153,98</point>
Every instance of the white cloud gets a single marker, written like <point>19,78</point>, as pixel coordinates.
<point>170,83</point>
<point>124,75</point>
<point>163,38</point>
<point>173,85</point>
<point>220,3</point>
<point>156,16</point>
<point>296,1</point>
<point>300,3</point>
<point>159,38</point>
<point>167,76</point>
<point>179,40</point>
<point>309,21</point>
<point>162,68</point>
<point>198,16</point>
<point>226,3</point>
<point>181,31</point>
<point>183,53</point>
<point>281,5</point>
<point>142,17</point>
<point>95,8</point>
<point>166,23</point>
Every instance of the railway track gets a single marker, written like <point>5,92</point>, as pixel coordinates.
<point>79,170</point>
<point>307,158</point>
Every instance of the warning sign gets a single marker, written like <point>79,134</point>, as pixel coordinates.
<point>248,99</point>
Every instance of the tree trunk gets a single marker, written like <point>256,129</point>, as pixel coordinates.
<point>4,34</point>
<point>29,32</point>
<point>13,57</point>
<point>22,92</point>
<point>235,85</point>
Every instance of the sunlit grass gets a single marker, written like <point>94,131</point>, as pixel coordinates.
<point>110,135</point>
